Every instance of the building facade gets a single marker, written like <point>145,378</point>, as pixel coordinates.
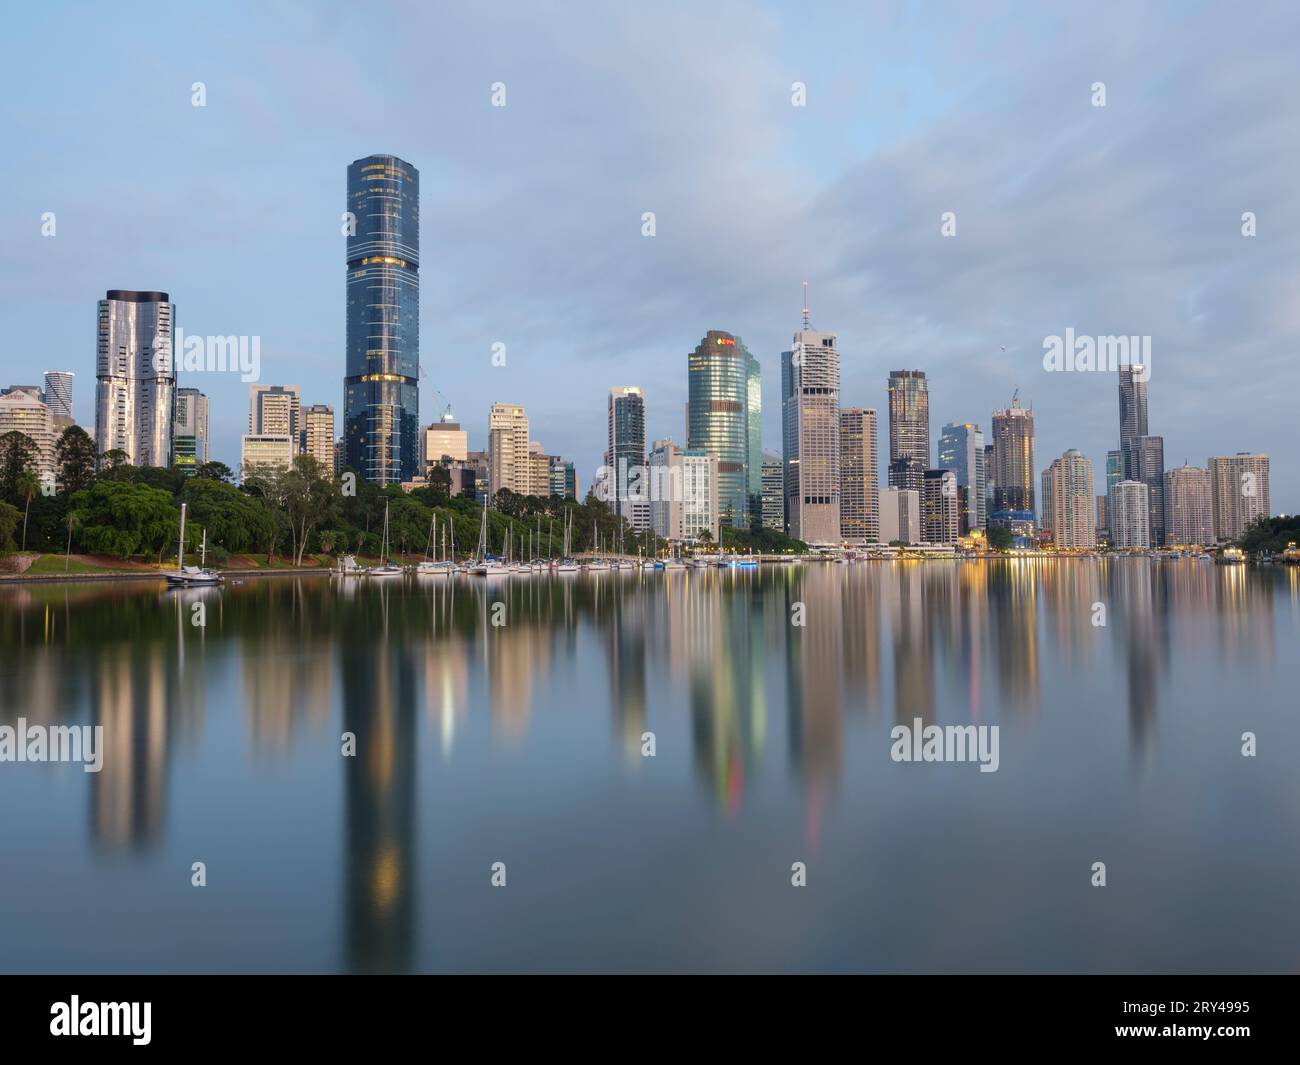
<point>1129,512</point>
<point>810,402</point>
<point>900,516</point>
<point>381,405</point>
<point>135,389</point>
<point>909,428</point>
<point>1188,514</point>
<point>859,488</point>
<point>773,492</point>
<point>58,393</point>
<point>443,439</point>
<point>274,410</point>
<point>1146,463</point>
<point>1132,413</point>
<point>190,447</point>
<point>625,451</point>
<point>20,413</point>
<point>940,507</point>
<point>260,453</point>
<point>1239,493</point>
<point>509,458</point>
<point>1013,458</point>
<point>717,418</point>
<point>1070,502</point>
<point>961,449</point>
<point>318,435</point>
<point>683,493</point>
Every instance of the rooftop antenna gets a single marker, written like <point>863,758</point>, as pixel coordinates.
<point>806,323</point>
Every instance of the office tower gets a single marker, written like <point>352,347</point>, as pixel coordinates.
<point>563,479</point>
<point>1132,411</point>
<point>810,401</point>
<point>1130,511</point>
<point>900,516</point>
<point>909,417</point>
<point>684,493</point>
<point>1188,521</point>
<point>754,456</point>
<point>443,439</point>
<point>274,410</point>
<point>961,449</point>
<point>625,447</point>
<point>1045,501</point>
<point>1146,463</point>
<point>1013,459</point>
<point>20,413</point>
<point>1239,493</point>
<point>263,452</point>
<point>773,492</point>
<point>381,407</point>
<point>58,393</point>
<point>859,490</point>
<point>340,455</point>
<point>940,507</point>
<point>1103,519</point>
<point>1070,502</point>
<point>318,435</point>
<point>717,417</point>
<point>190,430</point>
<point>1114,468</point>
<point>135,380</point>
<point>509,465</point>
<point>990,480</point>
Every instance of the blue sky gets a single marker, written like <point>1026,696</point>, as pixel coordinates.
<point>1117,220</point>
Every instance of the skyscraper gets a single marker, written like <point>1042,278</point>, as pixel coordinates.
<point>1188,519</point>
<point>275,410</point>
<point>58,393</point>
<point>859,487</point>
<point>444,439</point>
<point>1070,501</point>
<point>1129,511</point>
<point>810,402</point>
<point>961,449</point>
<point>909,428</point>
<point>135,379</point>
<point>381,407</point>
<point>190,430</point>
<point>318,435</point>
<point>1146,463</point>
<point>1239,492</point>
<point>940,507</point>
<point>1114,468</point>
<point>684,502</point>
<point>509,460</point>
<point>1132,410</point>
<point>773,492</point>
<point>625,452</point>
<point>754,457</point>
<point>20,413</point>
<point>717,417</point>
<point>1013,459</point>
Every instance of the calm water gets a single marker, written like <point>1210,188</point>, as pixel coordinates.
<point>522,744</point>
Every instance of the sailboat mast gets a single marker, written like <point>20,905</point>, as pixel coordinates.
<point>180,549</point>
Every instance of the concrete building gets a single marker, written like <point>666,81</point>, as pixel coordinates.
<point>262,452</point>
<point>773,492</point>
<point>318,435</point>
<point>810,400</point>
<point>683,493</point>
<point>135,376</point>
<point>625,452</point>
<point>20,413</point>
<point>444,439</point>
<point>900,516</point>
<point>509,458</point>
<point>1013,458</point>
<point>859,482</point>
<point>909,428</point>
<point>961,449</point>
<point>58,393</point>
<point>940,508</point>
<point>190,448</point>
<point>1239,493</point>
<point>1130,514</point>
<point>1070,502</point>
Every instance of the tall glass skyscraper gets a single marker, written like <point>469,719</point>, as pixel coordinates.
<point>381,395</point>
<point>1013,459</point>
<point>58,392</point>
<point>626,451</point>
<point>909,428</point>
<point>1132,413</point>
<point>136,378</point>
<point>961,449</point>
<point>717,418</point>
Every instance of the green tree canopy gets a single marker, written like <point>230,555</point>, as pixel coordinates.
<point>125,519</point>
<point>76,455</point>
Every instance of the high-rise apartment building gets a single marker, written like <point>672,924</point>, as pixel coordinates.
<point>1132,411</point>
<point>275,410</point>
<point>1146,463</point>
<point>909,428</point>
<point>58,393</point>
<point>135,376</point>
<point>1129,512</point>
<point>509,461</point>
<point>1070,502</point>
<point>563,478</point>
<point>381,407</point>
<point>190,430</point>
<point>719,372</point>
<point>20,413</point>
<point>940,507</point>
<point>1239,492</point>
<point>859,488</point>
<point>625,452</point>
<point>810,401</point>
<point>1013,459</point>
<point>961,449</point>
<point>1188,518</point>
<point>318,435</point>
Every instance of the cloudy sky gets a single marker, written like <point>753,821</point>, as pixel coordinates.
<point>1122,219</point>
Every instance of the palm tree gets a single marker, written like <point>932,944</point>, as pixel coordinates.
<point>72,521</point>
<point>26,486</point>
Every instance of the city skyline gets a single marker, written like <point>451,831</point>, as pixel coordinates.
<point>856,224</point>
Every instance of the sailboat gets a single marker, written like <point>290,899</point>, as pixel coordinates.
<point>485,565</point>
<point>192,576</point>
<point>567,564</point>
<point>428,568</point>
<point>386,567</point>
<point>597,563</point>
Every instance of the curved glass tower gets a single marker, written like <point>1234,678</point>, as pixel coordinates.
<point>381,395</point>
<point>717,417</point>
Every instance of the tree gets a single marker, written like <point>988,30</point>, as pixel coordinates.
<point>75,454</point>
<point>8,523</point>
<point>72,521</point>
<point>215,471</point>
<point>303,495</point>
<point>18,454</point>
<point>1000,538</point>
<point>236,521</point>
<point>26,487</point>
<point>125,519</point>
<point>114,459</point>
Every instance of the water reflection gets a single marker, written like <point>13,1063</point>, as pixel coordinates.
<point>406,667</point>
